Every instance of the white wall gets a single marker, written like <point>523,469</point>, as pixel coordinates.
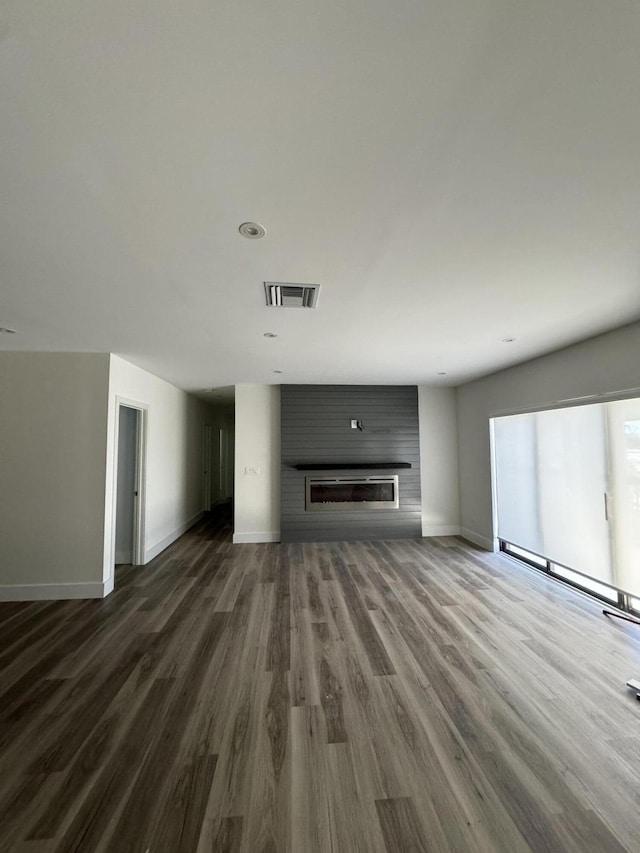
<point>53,434</point>
<point>606,365</point>
<point>173,463</point>
<point>257,448</point>
<point>438,461</point>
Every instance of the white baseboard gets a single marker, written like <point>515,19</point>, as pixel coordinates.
<point>262,536</point>
<point>152,552</point>
<point>477,539</point>
<point>56,591</point>
<point>441,530</point>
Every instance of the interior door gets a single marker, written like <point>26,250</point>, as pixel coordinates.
<point>224,464</point>
<point>207,472</point>
<point>216,493</point>
<point>126,494</point>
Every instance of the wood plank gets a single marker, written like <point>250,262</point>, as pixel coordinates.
<point>364,696</point>
<point>373,647</point>
<point>401,826</point>
<point>227,835</point>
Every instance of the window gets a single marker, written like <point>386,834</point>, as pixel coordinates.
<point>568,494</point>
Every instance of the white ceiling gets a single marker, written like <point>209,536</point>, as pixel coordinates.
<point>452,172</point>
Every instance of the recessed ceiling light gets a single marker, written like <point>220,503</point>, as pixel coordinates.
<point>4,331</point>
<point>270,335</point>
<point>508,340</point>
<point>252,230</point>
<point>277,371</point>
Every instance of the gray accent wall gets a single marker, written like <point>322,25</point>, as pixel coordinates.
<point>316,428</point>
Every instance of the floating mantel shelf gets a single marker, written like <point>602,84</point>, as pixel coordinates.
<point>352,466</point>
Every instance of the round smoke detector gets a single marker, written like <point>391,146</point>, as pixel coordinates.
<point>252,230</point>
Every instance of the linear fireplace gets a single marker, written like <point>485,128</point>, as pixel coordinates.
<point>334,494</point>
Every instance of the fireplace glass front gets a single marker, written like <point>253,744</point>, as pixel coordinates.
<point>351,493</point>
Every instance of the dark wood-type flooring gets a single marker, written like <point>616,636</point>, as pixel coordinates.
<point>391,696</point>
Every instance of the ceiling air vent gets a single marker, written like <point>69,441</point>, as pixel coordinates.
<point>280,295</point>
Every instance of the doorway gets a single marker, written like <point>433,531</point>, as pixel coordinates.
<point>218,462</point>
<point>207,474</point>
<point>129,548</point>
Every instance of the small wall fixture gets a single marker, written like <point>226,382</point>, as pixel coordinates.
<point>252,230</point>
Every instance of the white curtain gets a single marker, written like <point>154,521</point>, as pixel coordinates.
<point>623,422</point>
<point>552,476</point>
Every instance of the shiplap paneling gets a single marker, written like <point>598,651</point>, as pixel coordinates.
<point>316,427</point>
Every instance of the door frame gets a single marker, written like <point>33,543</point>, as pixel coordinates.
<point>142,410</point>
